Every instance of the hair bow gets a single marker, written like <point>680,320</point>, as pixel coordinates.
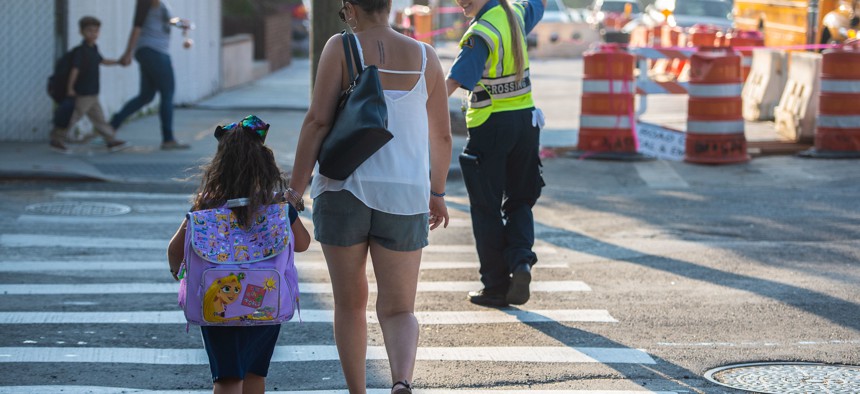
<point>251,124</point>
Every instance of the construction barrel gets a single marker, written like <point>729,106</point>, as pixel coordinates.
<point>606,120</point>
<point>715,126</point>
<point>837,130</point>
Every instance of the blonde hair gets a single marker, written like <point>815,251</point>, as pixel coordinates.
<point>516,38</point>
<point>209,297</point>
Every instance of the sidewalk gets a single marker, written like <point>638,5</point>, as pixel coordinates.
<point>280,99</point>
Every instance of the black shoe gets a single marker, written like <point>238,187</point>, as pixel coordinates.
<point>518,292</point>
<point>484,298</point>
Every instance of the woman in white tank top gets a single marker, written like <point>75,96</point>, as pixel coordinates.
<point>387,205</point>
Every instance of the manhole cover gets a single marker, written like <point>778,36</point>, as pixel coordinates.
<point>78,209</point>
<point>788,378</point>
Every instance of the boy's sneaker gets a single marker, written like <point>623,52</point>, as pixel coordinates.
<point>116,145</point>
<point>85,139</point>
<point>174,145</point>
<point>59,146</point>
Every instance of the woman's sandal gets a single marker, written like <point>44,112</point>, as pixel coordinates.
<point>406,389</point>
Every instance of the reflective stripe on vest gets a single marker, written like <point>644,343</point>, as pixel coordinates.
<point>498,90</point>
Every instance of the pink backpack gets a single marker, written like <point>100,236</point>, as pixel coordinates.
<point>236,277</point>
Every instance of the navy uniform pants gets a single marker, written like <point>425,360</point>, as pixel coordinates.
<point>501,170</point>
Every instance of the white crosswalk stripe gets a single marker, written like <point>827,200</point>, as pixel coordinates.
<point>161,266</point>
<point>304,288</point>
<point>143,219</point>
<point>533,354</point>
<point>65,241</point>
<point>315,316</point>
<point>164,210</point>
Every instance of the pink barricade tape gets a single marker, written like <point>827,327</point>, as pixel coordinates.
<point>449,10</point>
<point>685,52</point>
<point>433,33</point>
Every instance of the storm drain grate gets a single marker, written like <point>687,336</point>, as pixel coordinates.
<point>788,378</point>
<point>77,208</point>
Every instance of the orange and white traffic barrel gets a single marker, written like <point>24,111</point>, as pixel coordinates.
<point>837,131</point>
<point>606,123</point>
<point>745,38</point>
<point>715,125</point>
<point>703,36</point>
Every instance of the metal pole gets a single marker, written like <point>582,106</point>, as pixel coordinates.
<point>61,27</point>
<point>812,22</point>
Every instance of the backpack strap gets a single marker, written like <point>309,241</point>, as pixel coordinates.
<point>238,202</point>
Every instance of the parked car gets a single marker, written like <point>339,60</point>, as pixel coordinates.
<point>685,14</point>
<point>555,11</point>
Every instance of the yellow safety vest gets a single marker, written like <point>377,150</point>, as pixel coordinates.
<point>498,90</point>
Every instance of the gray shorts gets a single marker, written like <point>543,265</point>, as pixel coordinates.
<point>340,219</point>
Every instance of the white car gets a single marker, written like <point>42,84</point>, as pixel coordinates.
<point>686,14</point>
<point>555,11</point>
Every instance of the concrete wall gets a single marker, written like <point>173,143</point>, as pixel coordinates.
<point>197,70</point>
<point>28,33</point>
<point>237,60</point>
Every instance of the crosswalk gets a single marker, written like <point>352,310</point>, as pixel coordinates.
<point>101,296</point>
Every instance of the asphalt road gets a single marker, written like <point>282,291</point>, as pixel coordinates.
<point>650,274</point>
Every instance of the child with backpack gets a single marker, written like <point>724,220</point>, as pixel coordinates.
<point>80,71</point>
<point>234,255</point>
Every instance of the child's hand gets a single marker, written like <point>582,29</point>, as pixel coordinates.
<point>71,93</point>
<point>125,60</point>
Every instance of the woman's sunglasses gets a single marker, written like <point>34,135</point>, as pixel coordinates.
<point>342,12</point>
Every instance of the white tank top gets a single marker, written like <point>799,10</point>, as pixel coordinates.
<point>396,179</point>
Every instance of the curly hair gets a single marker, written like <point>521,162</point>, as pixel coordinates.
<point>243,167</point>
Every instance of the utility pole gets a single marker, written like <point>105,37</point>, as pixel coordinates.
<point>324,24</point>
<point>812,22</point>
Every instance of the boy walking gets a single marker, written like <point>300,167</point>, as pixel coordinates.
<point>83,88</point>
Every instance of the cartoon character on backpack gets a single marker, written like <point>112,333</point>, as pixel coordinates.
<point>221,292</point>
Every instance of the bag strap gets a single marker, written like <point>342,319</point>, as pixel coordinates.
<point>351,51</point>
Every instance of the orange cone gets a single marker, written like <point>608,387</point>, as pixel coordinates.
<point>715,125</point>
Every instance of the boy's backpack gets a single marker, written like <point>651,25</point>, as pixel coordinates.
<point>237,277</point>
<point>58,81</point>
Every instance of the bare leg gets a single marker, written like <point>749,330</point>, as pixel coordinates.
<point>346,267</point>
<point>254,384</point>
<point>228,386</point>
<point>397,281</point>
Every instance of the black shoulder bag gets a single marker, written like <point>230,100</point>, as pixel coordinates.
<point>360,126</point>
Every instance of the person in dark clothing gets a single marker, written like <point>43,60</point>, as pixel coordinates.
<point>83,91</point>
<point>150,43</point>
<point>500,164</point>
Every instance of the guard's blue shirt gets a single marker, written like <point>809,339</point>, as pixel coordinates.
<point>468,67</point>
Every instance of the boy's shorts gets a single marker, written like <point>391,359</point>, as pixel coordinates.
<point>341,219</point>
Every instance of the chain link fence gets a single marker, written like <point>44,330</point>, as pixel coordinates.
<point>28,37</point>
